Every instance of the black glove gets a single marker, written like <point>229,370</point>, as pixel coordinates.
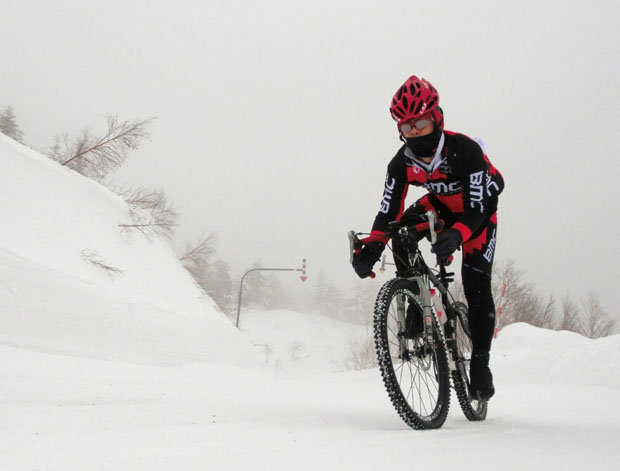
<point>365,259</point>
<point>447,243</point>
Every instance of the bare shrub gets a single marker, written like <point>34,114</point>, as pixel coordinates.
<point>196,256</point>
<point>596,320</point>
<point>541,312</point>
<point>213,278</point>
<point>362,354</point>
<point>297,351</point>
<point>150,212</point>
<point>219,286</point>
<point>521,302</point>
<point>268,350</point>
<point>570,318</point>
<point>96,156</point>
<point>92,256</point>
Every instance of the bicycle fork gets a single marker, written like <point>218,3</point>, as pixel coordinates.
<point>428,313</point>
<point>449,328</point>
<point>427,310</point>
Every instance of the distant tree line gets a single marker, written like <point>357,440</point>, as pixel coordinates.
<point>521,302</point>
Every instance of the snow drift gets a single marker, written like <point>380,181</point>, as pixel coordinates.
<point>53,298</point>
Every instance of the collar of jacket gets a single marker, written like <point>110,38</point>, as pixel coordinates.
<point>413,160</point>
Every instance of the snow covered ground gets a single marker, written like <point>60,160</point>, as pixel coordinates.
<point>558,411</point>
<point>139,371</point>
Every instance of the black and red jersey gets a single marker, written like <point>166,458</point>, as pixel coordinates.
<point>460,177</point>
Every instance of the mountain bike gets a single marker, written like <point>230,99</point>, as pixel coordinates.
<point>421,334</point>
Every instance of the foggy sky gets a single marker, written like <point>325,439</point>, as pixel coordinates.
<point>273,127</point>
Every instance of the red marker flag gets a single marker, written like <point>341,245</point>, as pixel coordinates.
<point>303,271</point>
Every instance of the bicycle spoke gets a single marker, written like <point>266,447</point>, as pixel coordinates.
<point>416,376</point>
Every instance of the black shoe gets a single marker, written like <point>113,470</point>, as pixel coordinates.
<point>414,323</point>
<point>481,384</point>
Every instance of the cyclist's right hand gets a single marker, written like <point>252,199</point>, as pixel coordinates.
<point>365,259</point>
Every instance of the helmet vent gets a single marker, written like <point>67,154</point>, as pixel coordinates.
<point>415,98</point>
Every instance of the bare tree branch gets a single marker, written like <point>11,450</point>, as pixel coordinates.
<point>150,212</point>
<point>201,250</point>
<point>196,260</point>
<point>95,157</point>
<point>92,256</point>
<point>362,354</point>
<point>597,322</point>
<point>521,302</point>
<point>569,318</point>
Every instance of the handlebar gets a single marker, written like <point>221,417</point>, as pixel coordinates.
<point>419,223</point>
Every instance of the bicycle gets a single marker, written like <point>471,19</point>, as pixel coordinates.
<point>422,340</point>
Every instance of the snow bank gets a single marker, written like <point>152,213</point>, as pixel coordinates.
<point>55,222</point>
<point>295,341</point>
<point>530,355</point>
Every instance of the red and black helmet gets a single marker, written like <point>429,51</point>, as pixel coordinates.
<point>415,98</point>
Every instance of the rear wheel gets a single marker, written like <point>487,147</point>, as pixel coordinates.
<point>413,364</point>
<point>473,408</point>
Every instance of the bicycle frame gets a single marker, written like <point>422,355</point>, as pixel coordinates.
<point>424,278</point>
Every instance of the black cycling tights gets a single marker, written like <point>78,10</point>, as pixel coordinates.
<point>477,287</point>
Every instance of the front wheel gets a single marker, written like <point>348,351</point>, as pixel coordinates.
<point>412,356</point>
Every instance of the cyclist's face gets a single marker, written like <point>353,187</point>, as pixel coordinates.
<point>417,127</point>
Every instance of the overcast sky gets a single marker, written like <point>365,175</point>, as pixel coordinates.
<point>273,127</point>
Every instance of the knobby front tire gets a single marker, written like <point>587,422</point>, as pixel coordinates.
<point>415,372</point>
<point>473,409</point>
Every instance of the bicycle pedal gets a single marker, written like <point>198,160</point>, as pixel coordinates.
<point>479,398</point>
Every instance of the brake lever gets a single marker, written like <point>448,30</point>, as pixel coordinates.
<point>355,245</point>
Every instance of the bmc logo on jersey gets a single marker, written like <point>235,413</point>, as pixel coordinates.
<point>476,190</point>
<point>488,253</point>
<point>387,195</point>
<point>441,188</point>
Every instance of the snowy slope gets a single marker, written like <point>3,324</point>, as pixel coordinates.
<point>53,299</point>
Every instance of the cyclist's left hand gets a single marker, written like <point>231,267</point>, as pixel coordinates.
<point>447,243</point>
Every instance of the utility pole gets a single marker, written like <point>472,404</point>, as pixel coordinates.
<point>303,278</point>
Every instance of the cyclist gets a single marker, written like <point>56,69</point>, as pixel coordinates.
<point>463,188</point>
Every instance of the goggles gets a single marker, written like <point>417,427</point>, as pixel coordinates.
<point>419,124</point>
